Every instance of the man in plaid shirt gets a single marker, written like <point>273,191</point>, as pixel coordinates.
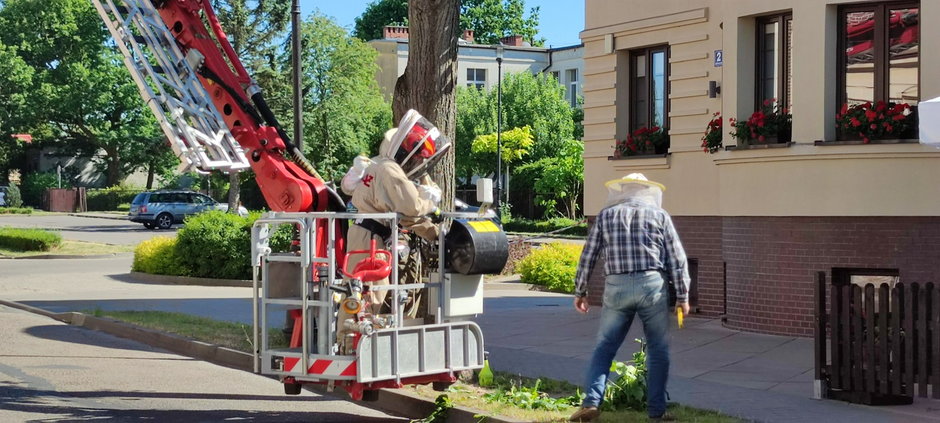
<point>642,252</point>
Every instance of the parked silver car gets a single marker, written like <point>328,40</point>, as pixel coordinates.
<point>161,209</point>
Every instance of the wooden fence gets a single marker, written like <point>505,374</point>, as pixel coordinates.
<point>884,343</point>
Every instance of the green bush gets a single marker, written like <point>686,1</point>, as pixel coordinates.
<point>35,184</point>
<point>628,390</point>
<point>158,256</point>
<point>124,207</point>
<point>14,198</point>
<point>29,239</point>
<point>16,210</point>
<point>543,226</point>
<point>216,245</point>
<point>107,199</point>
<point>211,245</point>
<point>552,266</point>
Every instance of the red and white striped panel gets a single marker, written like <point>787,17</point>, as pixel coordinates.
<point>341,366</point>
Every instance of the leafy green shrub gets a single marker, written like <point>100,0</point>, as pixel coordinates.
<point>553,266</point>
<point>531,398</point>
<point>16,210</point>
<point>216,244</point>
<point>29,239</point>
<point>628,390</point>
<point>110,198</point>
<point>124,207</point>
<point>14,198</point>
<point>158,256</point>
<point>35,184</point>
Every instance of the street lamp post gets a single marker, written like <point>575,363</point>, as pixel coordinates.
<point>295,62</point>
<point>499,129</point>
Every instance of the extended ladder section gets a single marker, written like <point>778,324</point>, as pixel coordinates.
<point>169,85</point>
<point>388,348</point>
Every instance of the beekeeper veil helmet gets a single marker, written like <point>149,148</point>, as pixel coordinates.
<point>635,187</point>
<point>416,145</point>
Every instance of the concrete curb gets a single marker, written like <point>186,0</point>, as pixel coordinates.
<point>98,216</point>
<point>396,401</point>
<point>187,280</point>
<point>62,256</point>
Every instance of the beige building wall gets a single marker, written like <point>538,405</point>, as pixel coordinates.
<point>803,179</point>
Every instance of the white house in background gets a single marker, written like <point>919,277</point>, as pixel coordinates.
<point>476,63</point>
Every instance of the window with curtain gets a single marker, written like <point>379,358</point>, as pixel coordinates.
<point>649,80</point>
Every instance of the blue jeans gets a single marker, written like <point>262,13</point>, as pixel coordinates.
<point>625,295</point>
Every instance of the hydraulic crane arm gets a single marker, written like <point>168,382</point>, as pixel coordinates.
<point>210,109</point>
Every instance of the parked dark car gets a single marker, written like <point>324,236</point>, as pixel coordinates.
<point>161,209</point>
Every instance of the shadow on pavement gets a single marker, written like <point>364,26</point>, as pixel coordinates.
<point>127,278</point>
<point>225,309</point>
<point>25,400</point>
<point>76,335</point>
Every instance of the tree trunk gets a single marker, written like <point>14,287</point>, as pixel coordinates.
<point>234,191</point>
<point>150,172</point>
<point>114,167</point>
<point>430,79</point>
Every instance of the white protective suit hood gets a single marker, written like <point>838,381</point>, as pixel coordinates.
<point>636,187</point>
<point>414,135</point>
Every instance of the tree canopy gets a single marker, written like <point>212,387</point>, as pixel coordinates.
<point>16,79</point>
<point>344,111</point>
<point>82,99</point>
<point>533,101</point>
<point>490,20</point>
<point>377,15</point>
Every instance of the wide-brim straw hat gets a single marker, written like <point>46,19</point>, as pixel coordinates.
<point>633,178</point>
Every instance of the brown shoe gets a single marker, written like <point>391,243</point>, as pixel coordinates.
<point>585,414</point>
<point>666,417</point>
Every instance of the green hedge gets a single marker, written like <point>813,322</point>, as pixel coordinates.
<point>552,266</point>
<point>108,199</point>
<point>216,245</point>
<point>158,255</point>
<point>16,210</point>
<point>14,197</point>
<point>542,226</point>
<point>211,245</point>
<point>29,239</point>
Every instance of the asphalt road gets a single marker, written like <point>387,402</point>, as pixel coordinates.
<point>107,231</point>
<point>50,371</point>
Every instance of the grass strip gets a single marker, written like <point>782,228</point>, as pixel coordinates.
<point>237,336</point>
<point>72,248</point>
<point>469,394</point>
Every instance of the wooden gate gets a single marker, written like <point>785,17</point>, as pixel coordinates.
<point>884,343</point>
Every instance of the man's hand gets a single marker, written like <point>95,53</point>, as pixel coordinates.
<point>685,308</point>
<point>581,304</point>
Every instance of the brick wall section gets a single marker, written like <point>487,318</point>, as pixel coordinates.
<point>701,238</point>
<point>771,262</point>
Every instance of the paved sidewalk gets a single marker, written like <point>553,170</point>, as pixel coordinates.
<point>757,377</point>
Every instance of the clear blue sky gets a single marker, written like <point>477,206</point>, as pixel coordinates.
<point>560,21</point>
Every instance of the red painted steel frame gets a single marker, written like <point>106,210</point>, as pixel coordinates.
<point>285,185</point>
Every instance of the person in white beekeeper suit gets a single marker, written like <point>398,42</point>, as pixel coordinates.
<point>394,181</point>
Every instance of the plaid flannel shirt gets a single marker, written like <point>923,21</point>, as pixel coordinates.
<point>634,237</point>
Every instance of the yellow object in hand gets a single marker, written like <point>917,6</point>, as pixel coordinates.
<point>679,315</point>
